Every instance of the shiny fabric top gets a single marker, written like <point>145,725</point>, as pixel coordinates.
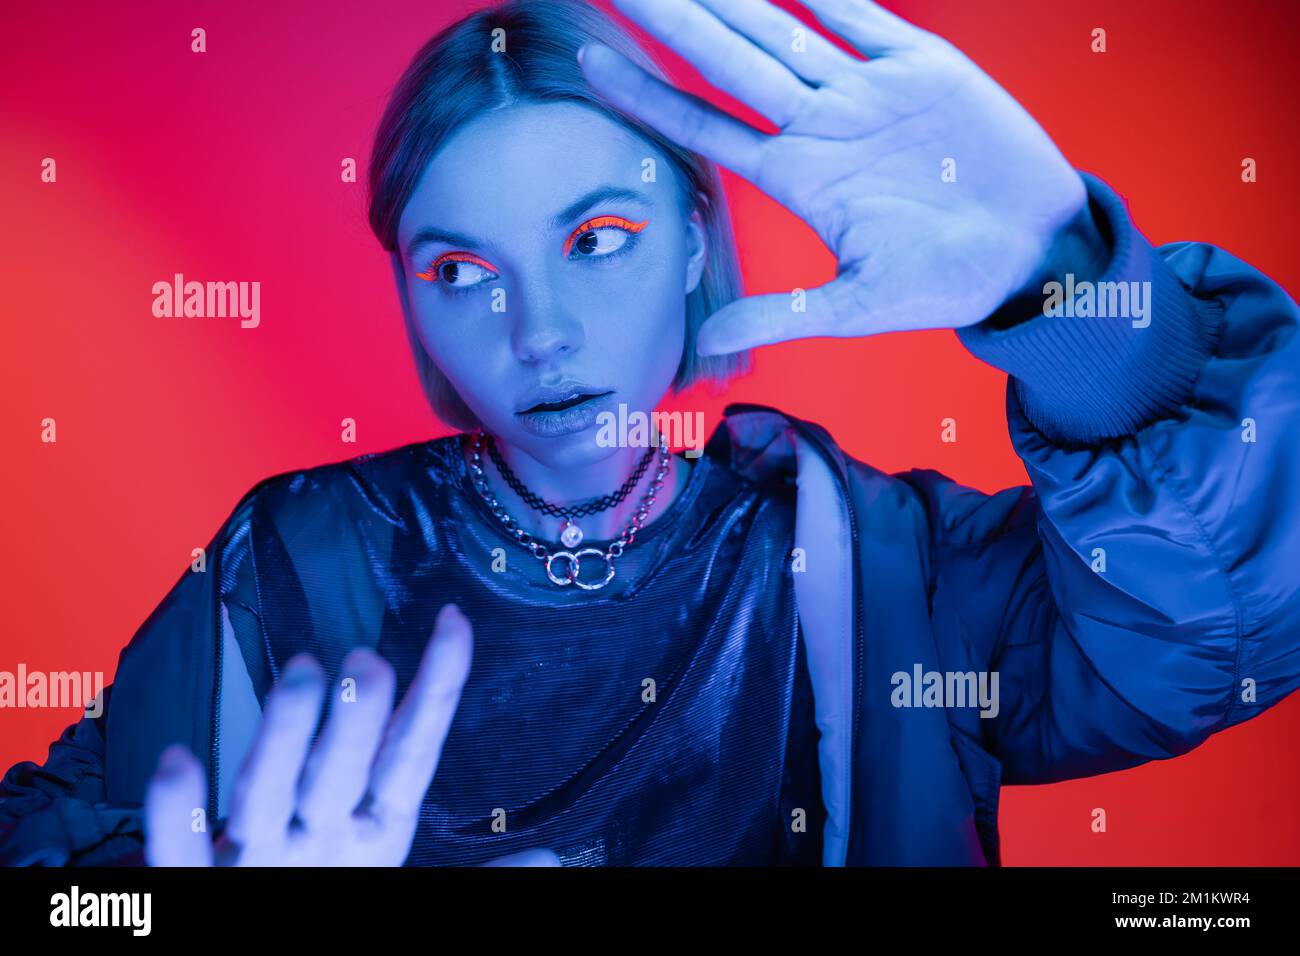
<point>666,719</point>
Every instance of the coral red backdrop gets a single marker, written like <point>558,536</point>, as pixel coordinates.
<point>226,165</point>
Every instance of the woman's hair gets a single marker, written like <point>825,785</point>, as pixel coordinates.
<point>457,76</point>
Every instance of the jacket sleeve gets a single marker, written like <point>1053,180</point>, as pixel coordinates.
<point>58,813</point>
<point>1144,593</point>
<point>55,814</point>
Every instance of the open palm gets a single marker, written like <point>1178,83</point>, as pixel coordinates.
<point>352,797</point>
<point>939,195</point>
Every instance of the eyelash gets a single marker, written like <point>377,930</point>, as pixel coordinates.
<point>603,222</point>
<point>431,274</point>
<point>597,222</point>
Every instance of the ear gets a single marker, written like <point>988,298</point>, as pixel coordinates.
<point>697,248</point>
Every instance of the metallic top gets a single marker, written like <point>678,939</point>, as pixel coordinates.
<point>664,720</point>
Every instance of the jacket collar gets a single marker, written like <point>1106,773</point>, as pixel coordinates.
<point>763,443</point>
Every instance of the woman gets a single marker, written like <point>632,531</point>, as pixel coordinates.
<point>772,654</point>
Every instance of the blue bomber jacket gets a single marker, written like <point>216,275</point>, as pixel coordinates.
<point>1140,595</point>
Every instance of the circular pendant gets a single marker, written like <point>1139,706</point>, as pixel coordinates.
<point>599,583</point>
<point>571,535</point>
<point>573,568</point>
<point>570,567</point>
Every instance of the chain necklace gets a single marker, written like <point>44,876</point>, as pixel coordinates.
<point>571,560</point>
<point>570,534</point>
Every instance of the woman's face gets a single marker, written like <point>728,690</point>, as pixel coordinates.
<point>546,277</point>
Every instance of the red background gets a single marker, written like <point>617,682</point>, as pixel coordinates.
<point>225,166</point>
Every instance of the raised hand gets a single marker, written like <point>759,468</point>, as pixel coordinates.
<point>866,154</point>
<point>351,800</point>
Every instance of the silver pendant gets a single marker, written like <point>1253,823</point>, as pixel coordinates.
<point>571,535</point>
<point>573,567</point>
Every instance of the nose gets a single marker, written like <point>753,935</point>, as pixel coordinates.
<point>543,326</point>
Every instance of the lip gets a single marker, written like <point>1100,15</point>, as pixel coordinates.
<point>550,423</point>
<point>550,394</point>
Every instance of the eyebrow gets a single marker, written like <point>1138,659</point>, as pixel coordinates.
<point>598,195</point>
<point>605,193</point>
<point>430,234</point>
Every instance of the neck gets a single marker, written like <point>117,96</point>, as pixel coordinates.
<point>575,485</point>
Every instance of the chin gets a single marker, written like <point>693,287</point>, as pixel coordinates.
<point>572,450</point>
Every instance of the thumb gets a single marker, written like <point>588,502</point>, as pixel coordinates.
<point>767,319</point>
<point>175,791</point>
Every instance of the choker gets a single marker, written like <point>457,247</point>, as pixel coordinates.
<point>568,563</point>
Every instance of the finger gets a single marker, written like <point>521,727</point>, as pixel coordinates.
<point>683,118</point>
<point>767,319</point>
<point>725,58</point>
<point>337,773</point>
<point>413,743</point>
<point>872,30</point>
<point>265,792</point>
<point>177,788</point>
<point>527,858</point>
<point>803,50</point>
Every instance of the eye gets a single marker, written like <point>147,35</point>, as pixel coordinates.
<point>459,270</point>
<point>601,237</point>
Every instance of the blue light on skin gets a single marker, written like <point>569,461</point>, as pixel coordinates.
<point>613,321</point>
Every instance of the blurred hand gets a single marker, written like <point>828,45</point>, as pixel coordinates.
<point>351,800</point>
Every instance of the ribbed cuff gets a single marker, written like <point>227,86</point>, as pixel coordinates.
<point>1082,380</point>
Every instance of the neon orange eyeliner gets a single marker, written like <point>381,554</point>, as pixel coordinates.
<point>600,221</point>
<point>432,273</point>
